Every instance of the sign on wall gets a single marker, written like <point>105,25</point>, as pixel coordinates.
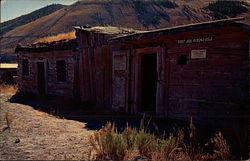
<point>198,54</point>
<point>119,62</point>
<point>195,40</point>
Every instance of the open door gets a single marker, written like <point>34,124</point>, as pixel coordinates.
<point>41,78</point>
<point>148,82</point>
<point>120,80</point>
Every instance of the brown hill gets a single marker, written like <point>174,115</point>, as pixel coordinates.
<point>144,15</point>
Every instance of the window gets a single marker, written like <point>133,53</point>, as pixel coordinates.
<point>182,60</point>
<point>61,70</point>
<point>25,67</point>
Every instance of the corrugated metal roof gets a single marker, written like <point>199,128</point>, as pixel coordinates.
<point>8,65</point>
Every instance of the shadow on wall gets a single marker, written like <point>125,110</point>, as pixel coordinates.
<point>235,131</point>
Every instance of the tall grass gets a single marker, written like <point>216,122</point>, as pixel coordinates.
<point>62,36</point>
<point>8,88</point>
<point>133,144</point>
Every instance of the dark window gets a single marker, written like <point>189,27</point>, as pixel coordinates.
<point>61,70</point>
<point>182,60</point>
<point>25,67</point>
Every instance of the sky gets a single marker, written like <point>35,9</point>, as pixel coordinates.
<point>14,8</point>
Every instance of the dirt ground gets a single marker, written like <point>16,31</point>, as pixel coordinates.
<point>35,135</point>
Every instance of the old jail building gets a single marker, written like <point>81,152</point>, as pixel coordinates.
<point>199,70</point>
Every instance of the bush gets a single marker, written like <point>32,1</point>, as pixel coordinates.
<point>8,88</point>
<point>147,13</point>
<point>224,9</point>
<point>132,143</point>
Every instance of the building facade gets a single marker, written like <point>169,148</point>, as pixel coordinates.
<point>47,68</point>
<point>198,70</point>
<point>95,63</point>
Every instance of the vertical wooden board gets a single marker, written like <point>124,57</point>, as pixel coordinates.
<point>137,77</point>
<point>132,83</point>
<point>160,94</point>
<point>127,85</point>
<point>120,80</point>
<point>99,76</point>
<point>106,75</point>
<point>118,93</point>
<point>87,75</point>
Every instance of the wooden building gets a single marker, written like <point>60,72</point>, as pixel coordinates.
<point>95,63</point>
<point>199,70</point>
<point>47,68</point>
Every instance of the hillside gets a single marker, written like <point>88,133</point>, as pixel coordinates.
<point>24,19</point>
<point>137,14</point>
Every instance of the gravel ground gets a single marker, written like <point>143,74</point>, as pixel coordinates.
<point>36,135</point>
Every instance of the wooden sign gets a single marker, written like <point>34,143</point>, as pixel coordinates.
<point>119,62</point>
<point>195,40</point>
<point>198,54</point>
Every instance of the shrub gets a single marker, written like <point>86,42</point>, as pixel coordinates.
<point>8,88</point>
<point>132,143</point>
<point>224,9</point>
<point>147,13</point>
<point>221,150</point>
<point>62,36</point>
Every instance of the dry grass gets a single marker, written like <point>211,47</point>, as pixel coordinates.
<point>133,144</point>
<point>62,36</point>
<point>8,88</point>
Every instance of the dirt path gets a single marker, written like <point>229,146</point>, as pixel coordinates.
<point>42,136</point>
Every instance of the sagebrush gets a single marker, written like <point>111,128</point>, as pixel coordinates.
<point>132,144</point>
<point>8,88</point>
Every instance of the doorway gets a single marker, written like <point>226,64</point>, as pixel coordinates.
<point>149,82</point>
<point>41,78</point>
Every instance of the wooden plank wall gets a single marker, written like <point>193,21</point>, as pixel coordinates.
<point>95,68</point>
<point>216,86</point>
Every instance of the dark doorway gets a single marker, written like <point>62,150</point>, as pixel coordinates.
<point>149,82</point>
<point>41,78</point>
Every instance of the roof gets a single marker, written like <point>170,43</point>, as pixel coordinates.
<point>8,65</point>
<point>178,29</point>
<point>62,36</point>
<point>68,44</point>
<point>109,30</point>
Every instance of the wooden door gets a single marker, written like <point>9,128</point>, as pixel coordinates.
<point>120,84</point>
<point>41,78</point>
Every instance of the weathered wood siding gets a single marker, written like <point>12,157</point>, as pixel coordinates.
<point>214,86</point>
<point>94,68</point>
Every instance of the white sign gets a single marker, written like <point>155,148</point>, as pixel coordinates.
<point>198,54</point>
<point>195,40</point>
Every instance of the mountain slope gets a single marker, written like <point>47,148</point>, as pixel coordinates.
<point>22,20</point>
<point>144,15</point>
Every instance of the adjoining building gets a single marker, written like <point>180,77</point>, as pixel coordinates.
<point>8,72</point>
<point>199,70</point>
<point>47,68</point>
<point>95,62</point>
